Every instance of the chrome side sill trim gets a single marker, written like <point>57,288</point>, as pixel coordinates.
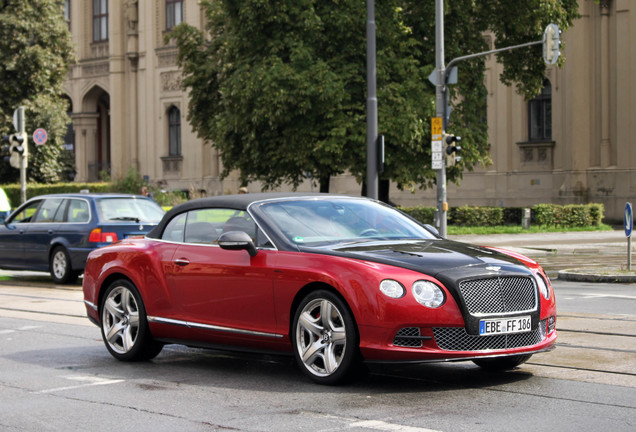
<point>91,305</point>
<point>189,324</point>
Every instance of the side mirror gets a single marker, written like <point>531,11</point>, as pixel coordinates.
<point>237,240</point>
<point>432,229</point>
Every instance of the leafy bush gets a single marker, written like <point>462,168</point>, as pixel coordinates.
<point>36,189</point>
<point>476,216</point>
<point>574,215</point>
<point>553,215</point>
<point>423,214</point>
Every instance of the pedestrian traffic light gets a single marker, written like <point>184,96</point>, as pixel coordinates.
<point>453,146</point>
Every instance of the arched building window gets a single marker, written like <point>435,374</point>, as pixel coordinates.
<point>540,115</point>
<point>174,131</point>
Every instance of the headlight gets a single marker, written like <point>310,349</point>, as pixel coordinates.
<point>392,288</point>
<point>428,294</point>
<point>543,287</point>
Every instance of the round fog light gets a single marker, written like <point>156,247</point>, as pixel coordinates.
<point>428,294</point>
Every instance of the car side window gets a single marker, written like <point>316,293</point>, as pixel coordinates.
<point>204,226</point>
<point>175,228</point>
<point>61,211</point>
<point>77,211</point>
<point>47,210</point>
<point>26,213</point>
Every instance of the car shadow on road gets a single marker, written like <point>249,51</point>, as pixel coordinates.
<point>179,365</point>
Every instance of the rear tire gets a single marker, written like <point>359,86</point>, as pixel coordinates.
<point>499,364</point>
<point>60,267</point>
<point>325,338</point>
<point>124,324</point>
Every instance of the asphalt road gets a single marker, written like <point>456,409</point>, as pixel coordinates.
<point>55,374</point>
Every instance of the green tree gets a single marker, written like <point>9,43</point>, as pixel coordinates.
<point>35,52</point>
<point>279,86</point>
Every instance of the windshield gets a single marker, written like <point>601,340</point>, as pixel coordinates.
<point>318,222</point>
<point>131,209</point>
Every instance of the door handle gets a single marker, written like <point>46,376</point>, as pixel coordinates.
<point>51,231</point>
<point>181,262</point>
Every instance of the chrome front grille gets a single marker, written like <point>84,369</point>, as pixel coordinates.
<point>456,339</point>
<point>499,295</point>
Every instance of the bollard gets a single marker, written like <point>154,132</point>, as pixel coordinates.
<point>525,218</point>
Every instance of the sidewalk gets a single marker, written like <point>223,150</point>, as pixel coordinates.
<point>591,256</point>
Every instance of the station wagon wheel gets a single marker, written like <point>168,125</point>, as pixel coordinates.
<point>324,336</point>
<point>60,266</point>
<point>124,324</point>
<point>502,363</point>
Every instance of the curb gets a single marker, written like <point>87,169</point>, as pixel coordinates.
<point>583,275</point>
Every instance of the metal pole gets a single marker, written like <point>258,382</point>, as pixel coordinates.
<point>440,110</point>
<point>23,158</point>
<point>372,106</point>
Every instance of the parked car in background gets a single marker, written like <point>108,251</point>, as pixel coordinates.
<point>55,233</point>
<point>330,279</point>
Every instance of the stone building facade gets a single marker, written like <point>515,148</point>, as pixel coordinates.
<point>571,144</point>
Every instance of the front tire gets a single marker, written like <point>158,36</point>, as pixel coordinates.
<point>499,364</point>
<point>124,324</point>
<point>325,338</point>
<point>60,267</point>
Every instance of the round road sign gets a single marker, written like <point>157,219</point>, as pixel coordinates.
<point>629,219</point>
<point>40,136</point>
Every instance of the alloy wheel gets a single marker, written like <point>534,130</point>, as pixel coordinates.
<point>321,337</point>
<point>120,320</point>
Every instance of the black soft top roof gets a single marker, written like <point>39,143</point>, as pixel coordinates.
<point>235,202</point>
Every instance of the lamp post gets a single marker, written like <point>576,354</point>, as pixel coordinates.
<point>372,106</point>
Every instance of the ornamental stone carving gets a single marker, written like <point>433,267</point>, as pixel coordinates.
<point>170,81</point>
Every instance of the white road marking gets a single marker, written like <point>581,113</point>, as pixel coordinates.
<point>89,382</point>
<point>8,331</point>
<point>389,427</point>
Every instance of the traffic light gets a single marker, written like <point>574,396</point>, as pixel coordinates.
<point>453,146</point>
<point>17,148</point>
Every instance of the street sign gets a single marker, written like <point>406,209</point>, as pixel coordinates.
<point>551,44</point>
<point>629,220</point>
<point>18,119</point>
<point>40,136</point>
<point>436,143</point>
<point>436,128</point>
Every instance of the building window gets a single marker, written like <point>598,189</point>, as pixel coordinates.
<point>174,13</point>
<point>174,131</point>
<point>540,115</point>
<point>67,12</point>
<point>100,20</point>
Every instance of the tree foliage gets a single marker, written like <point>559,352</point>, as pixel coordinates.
<point>279,86</point>
<point>35,52</point>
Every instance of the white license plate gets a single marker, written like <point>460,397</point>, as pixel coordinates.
<point>505,325</point>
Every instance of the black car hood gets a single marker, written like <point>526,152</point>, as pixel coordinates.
<point>432,257</point>
<point>448,261</point>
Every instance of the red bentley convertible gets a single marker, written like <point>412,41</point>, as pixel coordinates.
<point>332,279</point>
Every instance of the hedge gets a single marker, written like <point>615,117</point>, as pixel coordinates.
<point>35,189</point>
<point>576,215</point>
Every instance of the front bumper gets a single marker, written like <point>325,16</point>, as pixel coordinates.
<point>450,344</point>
